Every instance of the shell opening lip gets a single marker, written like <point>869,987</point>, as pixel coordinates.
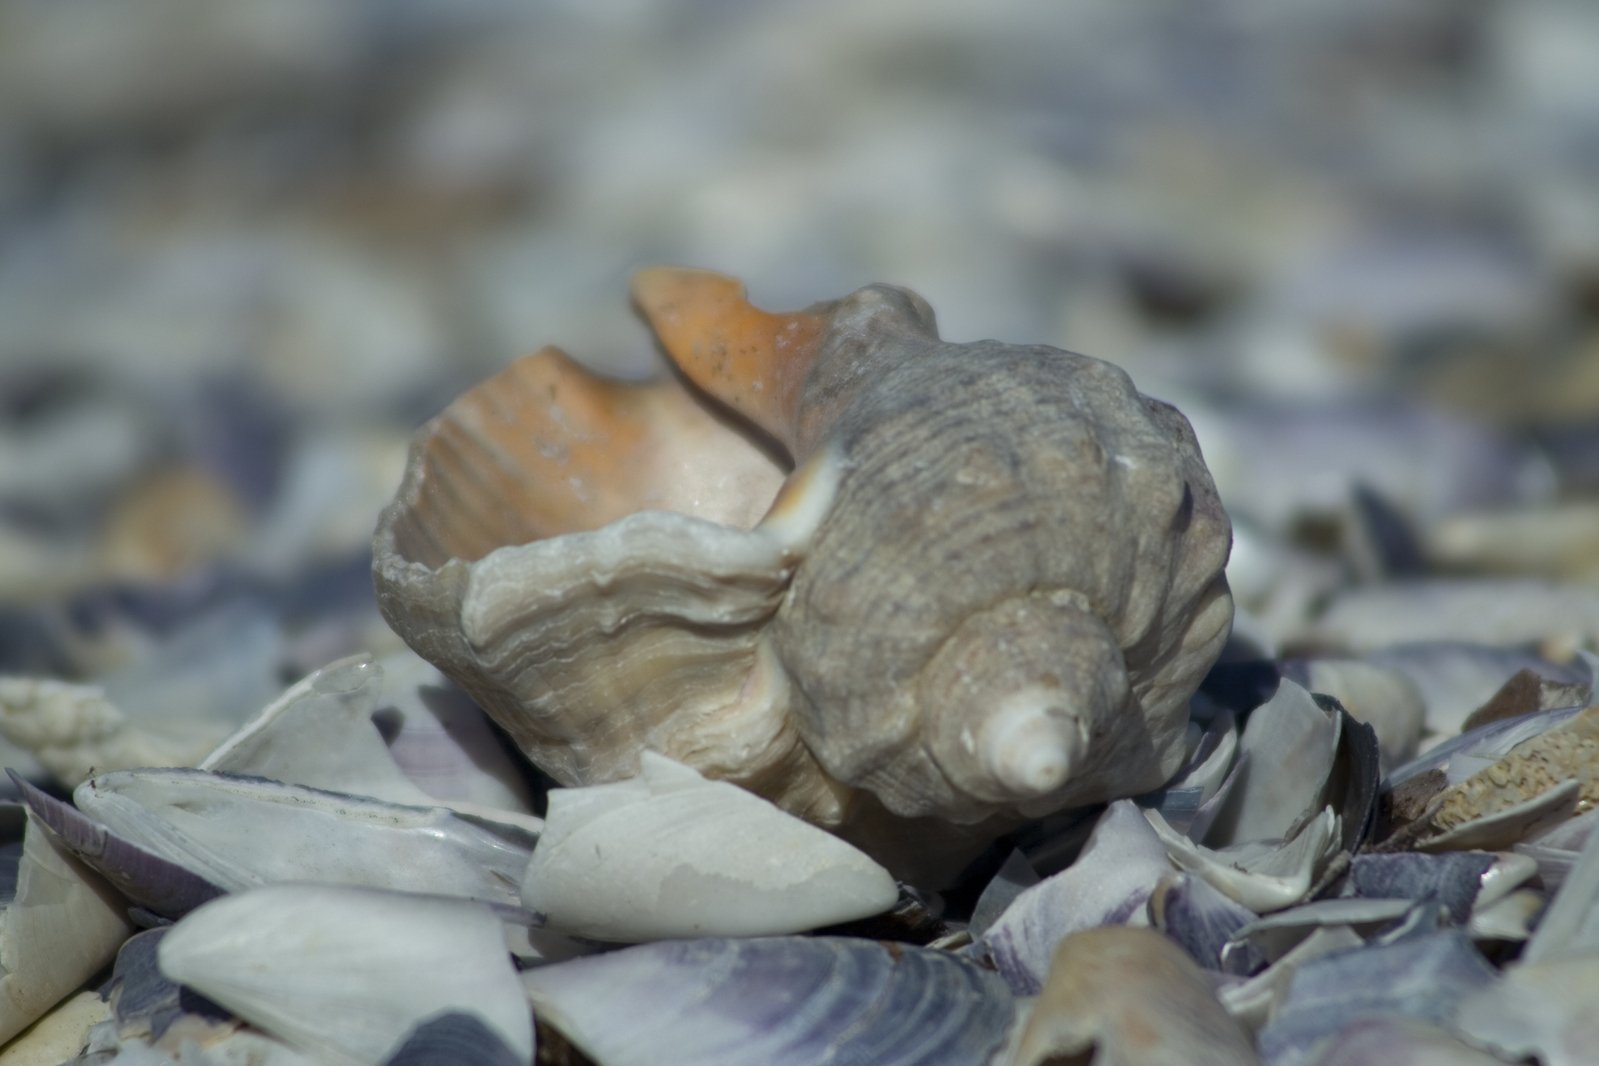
<point>1033,743</point>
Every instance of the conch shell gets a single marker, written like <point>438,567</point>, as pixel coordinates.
<point>913,591</point>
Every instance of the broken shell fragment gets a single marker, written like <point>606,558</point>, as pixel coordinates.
<point>346,973</point>
<point>59,925</point>
<point>778,1000</point>
<point>703,858</point>
<point>1129,996</point>
<point>239,832</point>
<point>901,587</point>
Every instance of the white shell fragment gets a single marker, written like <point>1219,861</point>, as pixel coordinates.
<point>671,854</point>
<point>1107,885</point>
<point>1401,1042</point>
<point>1570,927</point>
<point>1543,1010</point>
<point>1424,977</point>
<point>1262,875</point>
<point>241,832</point>
<point>344,973</point>
<point>1285,755</point>
<point>321,733</point>
<point>62,925</point>
<point>775,1000</point>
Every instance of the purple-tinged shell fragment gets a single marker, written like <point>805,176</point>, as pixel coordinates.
<point>452,1038</point>
<point>159,885</point>
<point>722,1002</point>
<point>1453,879</point>
<point>1423,977</point>
<point>1111,881</point>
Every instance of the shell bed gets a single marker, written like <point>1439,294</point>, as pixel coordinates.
<point>771,687</point>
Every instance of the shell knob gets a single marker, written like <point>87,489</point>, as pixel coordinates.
<point>1033,742</point>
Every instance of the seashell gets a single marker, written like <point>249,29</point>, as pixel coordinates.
<point>237,833</point>
<point>1539,1012</point>
<point>159,885</point>
<point>1509,918</point>
<point>1455,879</point>
<point>1286,752</point>
<point>1507,782</point>
<point>1570,927</point>
<point>1199,790</point>
<point>1382,697</point>
<point>323,732</point>
<point>1566,754</point>
<point>1015,876</point>
<point>1401,1042</point>
<point>59,924</point>
<point>454,1037</point>
<point>1263,875</point>
<point>74,729</point>
<point>1252,1001</point>
<point>1460,757</point>
<point>1556,852</point>
<point>777,1000</point>
<point>704,858</point>
<point>1129,997</point>
<point>1423,977</point>
<point>60,1035</point>
<point>345,973</point>
<point>910,590</point>
<point>1107,885</point>
<point>1204,922</point>
<point>1274,935</point>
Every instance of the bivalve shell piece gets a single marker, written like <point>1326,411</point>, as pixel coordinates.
<point>903,588</point>
<point>776,1000</point>
<point>346,973</point>
<point>699,858</point>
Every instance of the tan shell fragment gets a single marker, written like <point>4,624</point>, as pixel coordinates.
<point>1129,997</point>
<point>912,590</point>
<point>1566,755</point>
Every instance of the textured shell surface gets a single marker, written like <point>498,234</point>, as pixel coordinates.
<point>912,590</point>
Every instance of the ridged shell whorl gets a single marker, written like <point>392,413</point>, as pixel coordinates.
<point>985,590</point>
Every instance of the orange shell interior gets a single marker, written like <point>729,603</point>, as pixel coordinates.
<point>545,447</point>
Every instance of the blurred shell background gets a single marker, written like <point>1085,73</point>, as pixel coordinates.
<point>246,248</point>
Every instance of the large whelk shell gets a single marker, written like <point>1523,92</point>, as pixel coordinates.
<point>908,589</point>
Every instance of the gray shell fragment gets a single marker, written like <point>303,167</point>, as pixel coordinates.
<point>1452,879</point>
<point>1401,1042</point>
<point>61,926</point>
<point>1424,977</point>
<point>1543,1009</point>
<point>777,1000</point>
<point>1109,883</point>
<point>702,858</point>
<point>345,973</point>
<point>158,884</point>
<point>240,832</point>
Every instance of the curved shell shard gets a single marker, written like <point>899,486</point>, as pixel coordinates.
<point>704,859</point>
<point>777,999</point>
<point>346,973</point>
<point>890,582</point>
